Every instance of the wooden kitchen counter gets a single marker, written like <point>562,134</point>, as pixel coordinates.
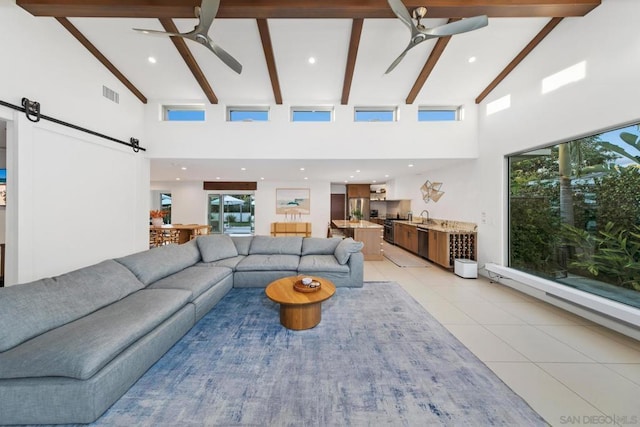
<point>370,234</point>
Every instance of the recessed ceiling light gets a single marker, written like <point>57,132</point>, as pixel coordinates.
<point>357,170</point>
<point>345,181</point>
<point>177,179</point>
<point>386,176</point>
<point>184,168</point>
<point>472,59</point>
<point>217,177</point>
<point>262,178</point>
<point>152,60</point>
<point>410,165</point>
<point>301,169</point>
<point>351,176</point>
<point>374,181</point>
<point>306,177</point>
<point>243,169</point>
<point>311,60</point>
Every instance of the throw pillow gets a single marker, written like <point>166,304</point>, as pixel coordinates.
<point>320,245</point>
<point>214,247</point>
<point>345,248</point>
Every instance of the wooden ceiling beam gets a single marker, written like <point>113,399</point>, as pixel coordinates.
<point>100,57</point>
<point>265,9</point>
<point>267,47</point>
<point>434,57</point>
<point>184,51</point>
<point>354,43</point>
<point>519,58</point>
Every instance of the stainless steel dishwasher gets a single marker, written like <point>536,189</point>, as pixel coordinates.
<point>423,242</point>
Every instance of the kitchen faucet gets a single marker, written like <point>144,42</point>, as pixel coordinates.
<point>423,216</point>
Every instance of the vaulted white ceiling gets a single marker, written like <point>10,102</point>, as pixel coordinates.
<point>453,81</point>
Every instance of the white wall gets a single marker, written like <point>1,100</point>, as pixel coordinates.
<point>461,194</point>
<point>320,205</point>
<point>190,203</point>
<point>74,199</point>
<point>279,138</point>
<point>609,96</point>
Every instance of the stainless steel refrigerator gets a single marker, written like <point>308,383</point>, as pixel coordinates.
<point>358,203</point>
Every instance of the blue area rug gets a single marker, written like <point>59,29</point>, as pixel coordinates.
<point>376,358</point>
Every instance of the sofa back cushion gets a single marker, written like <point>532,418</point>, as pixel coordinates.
<point>214,247</point>
<point>243,243</point>
<point>31,309</point>
<point>267,245</point>
<point>319,245</point>
<point>158,263</point>
<point>345,248</point>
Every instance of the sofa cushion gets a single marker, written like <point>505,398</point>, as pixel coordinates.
<point>216,246</point>
<point>321,263</point>
<point>319,245</point>
<point>243,243</point>
<point>345,248</point>
<point>81,348</point>
<point>157,263</point>
<point>227,262</point>
<point>259,279</point>
<point>267,245</point>
<point>31,309</point>
<point>269,262</point>
<point>193,279</point>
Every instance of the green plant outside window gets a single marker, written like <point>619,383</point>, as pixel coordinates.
<point>574,214</point>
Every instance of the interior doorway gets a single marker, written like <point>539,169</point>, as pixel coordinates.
<point>338,206</point>
<point>232,214</point>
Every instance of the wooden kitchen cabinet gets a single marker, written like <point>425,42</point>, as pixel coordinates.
<point>445,247</point>
<point>439,248</point>
<point>406,236</point>
<point>358,190</point>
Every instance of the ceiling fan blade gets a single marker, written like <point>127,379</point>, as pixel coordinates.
<point>399,58</point>
<point>207,13</point>
<point>224,56</point>
<point>157,33</point>
<point>462,26</point>
<point>402,13</point>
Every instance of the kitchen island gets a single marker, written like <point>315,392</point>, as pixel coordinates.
<point>368,233</point>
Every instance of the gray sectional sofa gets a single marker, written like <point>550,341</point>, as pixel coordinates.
<point>71,345</point>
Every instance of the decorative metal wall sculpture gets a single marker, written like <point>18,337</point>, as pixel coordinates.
<point>431,191</point>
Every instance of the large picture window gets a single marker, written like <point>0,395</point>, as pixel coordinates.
<point>574,214</point>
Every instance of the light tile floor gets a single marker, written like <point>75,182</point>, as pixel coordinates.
<point>570,370</point>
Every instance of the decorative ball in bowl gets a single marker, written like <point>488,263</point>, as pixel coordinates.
<point>307,281</point>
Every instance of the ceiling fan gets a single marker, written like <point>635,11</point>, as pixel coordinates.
<point>205,13</point>
<point>420,33</point>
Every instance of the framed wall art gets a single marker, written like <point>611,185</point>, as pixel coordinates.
<point>293,202</point>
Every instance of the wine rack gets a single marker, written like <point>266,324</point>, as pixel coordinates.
<point>462,245</point>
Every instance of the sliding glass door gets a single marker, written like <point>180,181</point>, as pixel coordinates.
<point>231,213</point>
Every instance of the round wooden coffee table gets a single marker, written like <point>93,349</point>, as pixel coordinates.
<point>299,310</point>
